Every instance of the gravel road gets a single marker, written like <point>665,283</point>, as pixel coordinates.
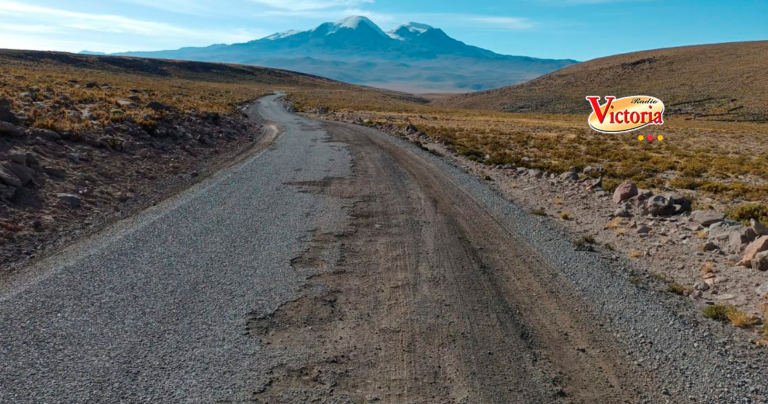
<point>341,265</point>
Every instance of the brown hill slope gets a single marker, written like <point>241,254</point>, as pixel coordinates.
<point>723,82</point>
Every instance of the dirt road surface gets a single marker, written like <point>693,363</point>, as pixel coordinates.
<point>341,265</point>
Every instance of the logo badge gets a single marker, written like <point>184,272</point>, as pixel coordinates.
<point>625,114</point>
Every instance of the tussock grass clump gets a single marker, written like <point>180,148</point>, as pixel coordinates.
<point>539,212</point>
<point>565,216</point>
<point>635,254</point>
<point>743,213</point>
<point>734,315</point>
<point>676,288</point>
<point>717,312</point>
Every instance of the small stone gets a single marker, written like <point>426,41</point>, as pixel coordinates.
<point>70,200</point>
<point>569,176</point>
<point>643,229</point>
<point>710,246</point>
<point>702,286</point>
<point>56,172</point>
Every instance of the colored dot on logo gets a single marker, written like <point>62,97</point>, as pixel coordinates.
<point>650,138</point>
<point>661,137</point>
<point>640,138</point>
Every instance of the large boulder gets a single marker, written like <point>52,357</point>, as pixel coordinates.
<point>756,247</point>
<point>707,218</point>
<point>624,192</point>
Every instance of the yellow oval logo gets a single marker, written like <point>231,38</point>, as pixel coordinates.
<point>625,114</point>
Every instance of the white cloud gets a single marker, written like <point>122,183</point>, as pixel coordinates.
<point>70,22</point>
<point>512,23</point>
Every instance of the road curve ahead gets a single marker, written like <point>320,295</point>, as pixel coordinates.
<point>339,265</point>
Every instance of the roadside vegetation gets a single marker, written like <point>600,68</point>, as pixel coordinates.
<point>725,161</point>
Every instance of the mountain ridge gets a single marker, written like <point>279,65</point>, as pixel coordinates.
<point>413,55</point>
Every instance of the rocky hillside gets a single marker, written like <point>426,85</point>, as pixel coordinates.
<point>84,139</point>
<point>719,82</point>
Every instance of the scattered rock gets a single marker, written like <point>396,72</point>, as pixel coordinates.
<point>756,247</point>
<point>710,246</point>
<point>70,200</point>
<point>597,184</point>
<point>643,229</point>
<point>624,192</point>
<point>74,157</point>
<point>760,262</point>
<point>569,176</point>
<point>702,286</point>
<point>158,106</point>
<point>6,115</point>
<point>658,205</point>
<point>719,232</point>
<point>22,172</point>
<point>535,173</point>
<point>758,228</point>
<point>707,218</point>
<point>625,210</point>
<point>739,237</point>
<point>55,172</point>
<point>7,192</point>
<point>9,178</point>
<point>9,129</point>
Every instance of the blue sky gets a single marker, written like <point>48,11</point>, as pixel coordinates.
<point>576,29</point>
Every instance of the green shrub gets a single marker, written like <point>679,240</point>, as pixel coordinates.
<point>743,213</point>
<point>717,312</point>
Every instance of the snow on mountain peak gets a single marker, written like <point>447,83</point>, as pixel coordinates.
<point>408,30</point>
<point>281,35</point>
<point>354,23</point>
<point>415,27</point>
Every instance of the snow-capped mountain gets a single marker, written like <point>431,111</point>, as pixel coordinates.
<point>413,56</point>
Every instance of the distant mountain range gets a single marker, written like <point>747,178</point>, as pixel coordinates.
<point>412,57</point>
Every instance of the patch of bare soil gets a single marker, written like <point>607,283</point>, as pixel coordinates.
<point>427,298</point>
